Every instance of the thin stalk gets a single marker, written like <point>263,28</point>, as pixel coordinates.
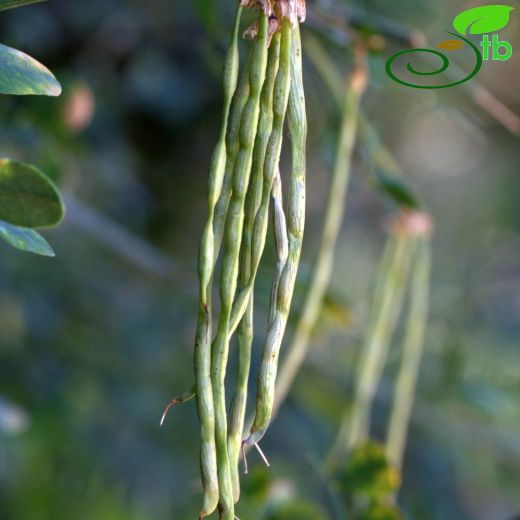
<point>182,398</point>
<point>332,79</point>
<point>334,212</point>
<point>228,281</point>
<point>12,4</point>
<point>381,156</point>
<point>412,352</point>
<point>202,353</point>
<point>245,328</point>
<point>325,66</point>
<point>384,310</point>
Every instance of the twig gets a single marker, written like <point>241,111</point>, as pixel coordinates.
<point>119,239</point>
<point>381,155</point>
<point>342,18</point>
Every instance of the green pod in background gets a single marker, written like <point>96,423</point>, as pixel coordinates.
<point>413,345</point>
<point>384,310</point>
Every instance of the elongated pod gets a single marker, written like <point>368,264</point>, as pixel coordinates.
<point>412,346</point>
<point>385,306</point>
<point>202,354</point>
<point>281,241</point>
<point>272,159</point>
<point>245,328</point>
<point>282,250</point>
<point>229,274</point>
<point>295,215</point>
<point>232,144</point>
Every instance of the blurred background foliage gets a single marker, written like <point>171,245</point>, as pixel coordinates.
<point>94,342</point>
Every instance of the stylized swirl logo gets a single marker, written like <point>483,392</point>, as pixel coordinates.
<point>443,67</point>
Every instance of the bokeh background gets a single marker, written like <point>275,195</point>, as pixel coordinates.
<point>94,342</point>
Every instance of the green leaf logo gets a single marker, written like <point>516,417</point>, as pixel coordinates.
<point>482,20</point>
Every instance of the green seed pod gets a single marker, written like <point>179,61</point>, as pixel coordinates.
<point>202,354</point>
<point>281,240</point>
<point>295,223</point>
<point>245,328</point>
<point>282,249</point>
<point>232,145</point>
<point>218,163</point>
<point>385,308</point>
<point>272,159</point>
<point>229,274</point>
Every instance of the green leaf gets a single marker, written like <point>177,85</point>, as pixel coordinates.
<point>27,197</point>
<point>25,239</point>
<point>396,188</point>
<point>21,75</point>
<point>482,20</point>
<point>11,4</point>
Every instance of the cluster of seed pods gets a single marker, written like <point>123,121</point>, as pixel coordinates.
<point>244,181</point>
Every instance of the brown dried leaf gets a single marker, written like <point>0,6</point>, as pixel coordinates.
<point>292,10</point>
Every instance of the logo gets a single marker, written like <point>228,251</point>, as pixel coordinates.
<point>483,21</point>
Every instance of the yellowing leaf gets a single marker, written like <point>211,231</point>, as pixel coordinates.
<point>451,45</point>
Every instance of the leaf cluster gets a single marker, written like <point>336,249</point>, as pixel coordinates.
<point>28,198</point>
